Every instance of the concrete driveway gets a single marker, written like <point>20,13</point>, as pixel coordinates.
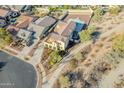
<point>15,73</point>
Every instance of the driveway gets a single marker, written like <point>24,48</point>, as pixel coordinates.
<point>26,50</point>
<point>15,73</point>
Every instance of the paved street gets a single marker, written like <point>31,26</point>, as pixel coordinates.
<point>36,60</point>
<point>16,73</point>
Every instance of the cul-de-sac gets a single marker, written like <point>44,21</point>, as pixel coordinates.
<point>61,46</point>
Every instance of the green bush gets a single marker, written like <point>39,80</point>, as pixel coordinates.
<point>98,13</point>
<point>85,34</point>
<point>118,44</point>
<point>114,10</point>
<point>73,64</point>
<point>55,57</point>
<point>5,36</point>
<point>64,81</point>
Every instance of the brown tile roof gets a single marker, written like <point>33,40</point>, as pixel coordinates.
<point>23,21</point>
<point>82,15</point>
<point>63,33</point>
<point>53,37</point>
<point>69,29</point>
<point>45,21</point>
<point>59,27</point>
<point>3,12</point>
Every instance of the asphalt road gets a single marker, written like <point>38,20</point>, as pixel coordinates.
<point>15,73</point>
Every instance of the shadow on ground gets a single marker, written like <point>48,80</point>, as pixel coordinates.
<point>2,64</point>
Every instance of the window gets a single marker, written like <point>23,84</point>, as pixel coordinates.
<point>54,48</point>
<point>50,46</point>
<point>61,48</point>
<point>46,45</point>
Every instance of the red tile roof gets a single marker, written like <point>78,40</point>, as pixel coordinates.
<point>59,27</point>
<point>85,18</point>
<point>69,29</point>
<point>22,22</point>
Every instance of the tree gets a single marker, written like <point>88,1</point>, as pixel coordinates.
<point>55,57</point>
<point>118,44</point>
<point>8,39</point>
<point>5,37</point>
<point>98,13</point>
<point>33,9</point>
<point>114,10</point>
<point>64,81</point>
<point>66,6</point>
<point>53,9</point>
<point>73,64</point>
<point>85,34</point>
<point>3,33</point>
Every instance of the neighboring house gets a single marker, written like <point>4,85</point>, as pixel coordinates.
<point>41,26</point>
<point>80,25</point>
<point>82,15</point>
<point>3,22</point>
<point>3,13</point>
<point>24,36</point>
<point>59,38</point>
<point>6,16</point>
<point>21,22</point>
<point>17,7</point>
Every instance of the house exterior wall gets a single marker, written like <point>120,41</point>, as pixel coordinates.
<point>50,45</point>
<point>55,45</point>
<point>67,40</point>
<point>45,30</point>
<point>58,45</point>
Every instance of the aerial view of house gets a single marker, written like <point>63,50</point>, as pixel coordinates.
<point>61,46</point>
<point>61,35</point>
<point>41,26</point>
<point>6,16</point>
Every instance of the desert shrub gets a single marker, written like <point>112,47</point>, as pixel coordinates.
<point>114,10</point>
<point>117,44</point>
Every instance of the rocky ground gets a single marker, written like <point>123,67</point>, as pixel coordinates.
<point>100,67</point>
